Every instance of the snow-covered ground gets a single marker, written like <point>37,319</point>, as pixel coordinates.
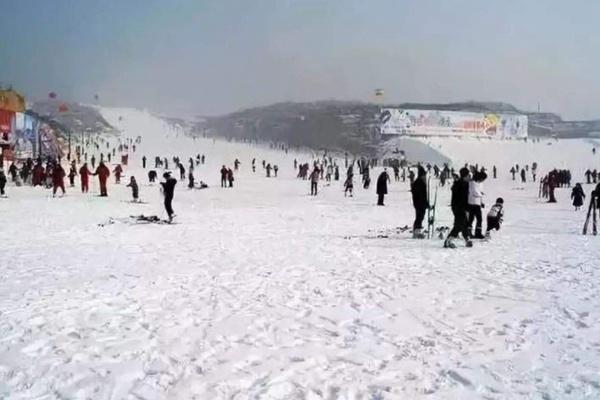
<point>263,292</point>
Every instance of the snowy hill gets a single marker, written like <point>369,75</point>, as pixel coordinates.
<point>261,291</point>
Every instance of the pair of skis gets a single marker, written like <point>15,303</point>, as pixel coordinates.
<point>431,209</point>
<point>591,211</point>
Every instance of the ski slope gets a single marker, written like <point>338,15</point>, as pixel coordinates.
<point>261,291</point>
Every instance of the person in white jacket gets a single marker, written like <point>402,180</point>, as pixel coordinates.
<point>476,203</point>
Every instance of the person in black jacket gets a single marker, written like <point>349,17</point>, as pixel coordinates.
<point>382,190</point>
<point>419,196</point>
<point>168,187</point>
<point>460,204</point>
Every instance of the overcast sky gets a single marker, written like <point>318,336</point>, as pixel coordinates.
<point>194,57</point>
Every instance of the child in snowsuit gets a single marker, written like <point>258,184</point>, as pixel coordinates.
<point>135,190</point>
<point>495,216</point>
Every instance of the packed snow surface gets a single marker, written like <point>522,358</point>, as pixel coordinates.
<point>261,291</point>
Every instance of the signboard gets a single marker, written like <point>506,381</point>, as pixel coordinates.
<point>395,121</point>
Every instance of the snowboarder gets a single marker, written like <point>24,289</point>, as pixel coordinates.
<point>577,194</point>
<point>459,203</point>
<point>135,191</point>
<point>168,189</point>
<point>103,173</point>
<point>382,190</point>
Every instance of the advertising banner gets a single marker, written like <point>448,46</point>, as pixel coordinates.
<point>395,121</point>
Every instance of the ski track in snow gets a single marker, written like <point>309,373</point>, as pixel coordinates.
<point>263,292</point>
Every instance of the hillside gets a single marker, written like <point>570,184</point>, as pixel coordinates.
<point>352,126</point>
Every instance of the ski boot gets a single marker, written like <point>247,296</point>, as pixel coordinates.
<point>418,234</point>
<point>449,244</point>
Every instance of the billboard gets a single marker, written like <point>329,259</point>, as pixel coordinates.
<point>395,121</point>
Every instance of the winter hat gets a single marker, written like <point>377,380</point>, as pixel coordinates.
<point>464,172</point>
<point>500,200</point>
<point>167,175</point>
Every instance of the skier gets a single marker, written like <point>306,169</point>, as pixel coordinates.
<point>152,175</point>
<point>419,198</point>
<point>336,173</point>
<point>12,171</point>
<point>459,204</point>
<point>191,180</point>
<point>118,171</point>
<point>494,172</point>
<point>513,171</point>
<point>144,162</point>
<point>254,165</point>
<point>349,184</point>
<point>103,173</point>
<point>476,203</point>
<point>84,176</point>
<point>382,190</point>
<point>230,177</point>
<point>58,175</point>
<point>495,217</point>
<point>168,189</point>
<point>523,179</point>
<point>72,174</point>
<point>135,191</point>
<point>588,176</point>
<point>314,181</point>
<point>224,176</point>
<point>181,171</point>
<point>552,183</point>
<point>577,195</point>
<point>236,164</point>
<point>275,170</point>
<point>38,175</point>
<point>93,162</point>
<point>396,168</point>
<point>268,168</point>
<point>2,182</point>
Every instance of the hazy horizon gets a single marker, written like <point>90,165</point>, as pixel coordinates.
<point>191,57</point>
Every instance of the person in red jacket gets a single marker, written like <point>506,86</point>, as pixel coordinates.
<point>118,171</point>
<point>85,173</point>
<point>58,179</point>
<point>103,173</point>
